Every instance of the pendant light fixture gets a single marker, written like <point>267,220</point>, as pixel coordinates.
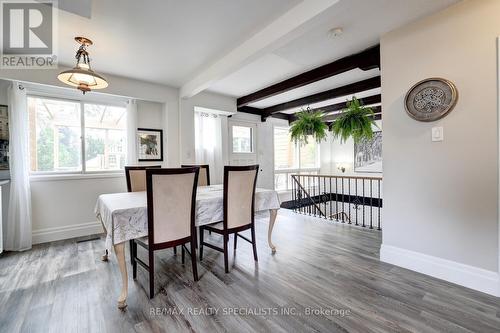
<point>82,76</point>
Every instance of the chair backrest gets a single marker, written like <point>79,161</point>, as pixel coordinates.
<point>136,177</point>
<point>171,195</point>
<point>204,176</point>
<point>239,195</point>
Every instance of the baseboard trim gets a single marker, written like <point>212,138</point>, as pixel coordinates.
<point>468,276</point>
<point>64,232</point>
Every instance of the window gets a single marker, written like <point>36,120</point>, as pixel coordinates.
<point>291,158</point>
<point>309,155</point>
<point>105,137</point>
<point>56,130</point>
<point>242,139</point>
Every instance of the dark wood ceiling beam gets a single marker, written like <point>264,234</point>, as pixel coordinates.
<point>346,90</point>
<point>377,110</point>
<point>329,118</point>
<point>340,106</point>
<point>324,109</point>
<point>258,112</point>
<point>377,116</point>
<point>365,60</point>
<point>280,115</point>
<point>251,110</point>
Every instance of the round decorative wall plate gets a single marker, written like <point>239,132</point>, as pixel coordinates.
<point>431,99</point>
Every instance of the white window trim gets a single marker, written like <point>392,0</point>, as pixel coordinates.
<point>75,176</point>
<point>253,130</point>
<point>81,174</point>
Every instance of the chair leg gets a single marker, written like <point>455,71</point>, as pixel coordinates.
<point>235,239</point>
<point>175,250</point>
<point>254,244</point>
<point>151,273</point>
<point>196,232</point>
<point>226,259</point>
<point>193,260</point>
<point>133,255</point>
<point>131,243</point>
<point>202,231</point>
<point>183,253</point>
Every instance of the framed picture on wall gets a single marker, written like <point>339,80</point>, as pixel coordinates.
<point>368,154</point>
<point>149,144</point>
<point>4,137</point>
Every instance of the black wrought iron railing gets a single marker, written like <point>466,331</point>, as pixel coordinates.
<point>351,200</point>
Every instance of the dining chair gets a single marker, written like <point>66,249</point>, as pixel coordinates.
<point>204,177</point>
<point>136,182</point>
<point>238,206</point>
<point>171,200</point>
<point>136,177</point>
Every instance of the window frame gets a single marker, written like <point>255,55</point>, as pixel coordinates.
<point>296,168</point>
<point>252,137</point>
<point>83,173</point>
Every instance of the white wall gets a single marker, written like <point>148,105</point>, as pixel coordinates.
<point>149,114</point>
<point>441,198</point>
<point>65,208</point>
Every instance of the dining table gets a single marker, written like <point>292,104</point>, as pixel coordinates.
<point>124,217</point>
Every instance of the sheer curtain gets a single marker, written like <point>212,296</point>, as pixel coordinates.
<point>18,228</point>
<point>208,143</point>
<point>131,132</point>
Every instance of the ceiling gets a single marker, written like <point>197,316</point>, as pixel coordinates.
<point>170,41</point>
<point>161,41</point>
<point>363,23</point>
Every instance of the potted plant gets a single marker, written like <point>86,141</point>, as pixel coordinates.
<point>355,121</point>
<point>308,123</point>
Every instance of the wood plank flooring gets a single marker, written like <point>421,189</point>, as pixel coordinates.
<point>325,277</point>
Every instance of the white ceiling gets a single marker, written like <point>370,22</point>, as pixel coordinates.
<point>162,41</point>
<point>363,22</point>
<point>170,41</point>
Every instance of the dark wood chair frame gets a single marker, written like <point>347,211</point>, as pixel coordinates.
<point>225,232</point>
<point>151,247</point>
<point>201,166</point>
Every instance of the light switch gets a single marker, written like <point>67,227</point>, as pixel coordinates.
<point>437,134</point>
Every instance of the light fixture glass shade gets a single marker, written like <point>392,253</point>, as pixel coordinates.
<point>82,76</point>
<point>84,79</point>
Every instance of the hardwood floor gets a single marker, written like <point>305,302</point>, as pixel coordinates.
<point>319,266</point>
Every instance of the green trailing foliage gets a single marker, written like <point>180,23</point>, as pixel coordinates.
<point>355,121</point>
<point>308,123</point>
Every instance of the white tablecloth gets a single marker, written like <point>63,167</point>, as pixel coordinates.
<point>124,215</point>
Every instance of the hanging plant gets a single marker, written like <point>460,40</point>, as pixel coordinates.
<point>355,121</point>
<point>308,123</point>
